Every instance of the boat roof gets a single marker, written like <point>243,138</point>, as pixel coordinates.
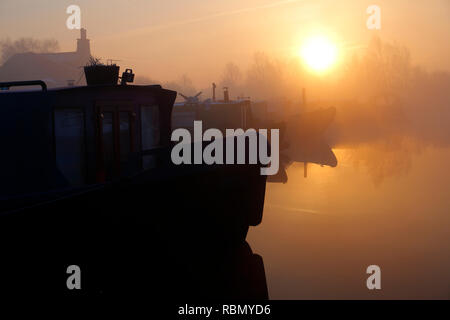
<point>211,102</point>
<point>84,88</point>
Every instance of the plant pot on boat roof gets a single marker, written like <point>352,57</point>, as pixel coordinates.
<point>98,73</point>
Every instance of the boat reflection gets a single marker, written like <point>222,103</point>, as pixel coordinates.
<point>315,151</point>
<point>180,275</point>
<point>236,273</point>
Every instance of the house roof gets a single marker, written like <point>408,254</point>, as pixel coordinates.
<point>32,66</point>
<point>54,68</point>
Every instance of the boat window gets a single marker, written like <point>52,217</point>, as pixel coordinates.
<point>70,144</point>
<point>150,133</point>
<point>108,144</point>
<point>150,127</point>
<point>125,136</point>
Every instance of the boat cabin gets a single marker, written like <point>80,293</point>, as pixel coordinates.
<point>74,136</point>
<point>220,115</point>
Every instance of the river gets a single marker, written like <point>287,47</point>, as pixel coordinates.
<point>319,234</point>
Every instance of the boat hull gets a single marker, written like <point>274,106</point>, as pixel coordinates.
<point>130,224</point>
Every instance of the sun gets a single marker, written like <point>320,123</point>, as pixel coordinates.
<point>319,53</point>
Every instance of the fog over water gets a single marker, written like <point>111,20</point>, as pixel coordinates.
<point>386,203</point>
<point>320,233</point>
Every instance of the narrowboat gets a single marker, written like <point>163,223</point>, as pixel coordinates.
<point>220,114</point>
<point>301,134</point>
<point>87,179</point>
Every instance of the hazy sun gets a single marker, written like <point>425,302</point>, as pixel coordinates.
<point>319,53</point>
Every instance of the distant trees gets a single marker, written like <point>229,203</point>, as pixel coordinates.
<point>8,48</point>
<point>183,85</point>
<point>381,73</point>
<point>269,77</point>
<point>262,75</point>
<point>187,85</point>
<point>231,76</point>
<point>144,80</point>
<point>262,79</point>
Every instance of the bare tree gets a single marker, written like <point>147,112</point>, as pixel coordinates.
<point>383,72</point>
<point>231,76</point>
<point>8,48</point>
<point>186,85</point>
<point>265,77</point>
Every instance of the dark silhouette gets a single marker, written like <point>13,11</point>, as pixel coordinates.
<point>90,182</point>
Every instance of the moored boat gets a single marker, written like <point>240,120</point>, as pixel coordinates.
<point>88,168</point>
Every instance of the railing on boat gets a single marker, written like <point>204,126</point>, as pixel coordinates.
<point>7,85</point>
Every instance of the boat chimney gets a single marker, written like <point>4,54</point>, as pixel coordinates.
<point>214,92</point>
<point>226,96</point>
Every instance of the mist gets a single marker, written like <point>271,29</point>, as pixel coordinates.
<point>390,86</point>
<point>388,109</point>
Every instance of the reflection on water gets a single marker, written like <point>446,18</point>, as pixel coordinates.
<point>319,234</point>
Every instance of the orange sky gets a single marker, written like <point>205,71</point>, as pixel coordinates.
<point>166,38</point>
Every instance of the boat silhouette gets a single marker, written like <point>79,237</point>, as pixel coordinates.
<point>86,172</point>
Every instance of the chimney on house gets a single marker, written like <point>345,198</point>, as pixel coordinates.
<point>83,45</point>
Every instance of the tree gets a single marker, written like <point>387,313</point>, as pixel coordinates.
<point>8,48</point>
<point>186,85</point>
<point>383,72</point>
<point>183,85</point>
<point>265,77</point>
<point>231,76</point>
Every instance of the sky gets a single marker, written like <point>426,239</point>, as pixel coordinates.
<point>164,39</point>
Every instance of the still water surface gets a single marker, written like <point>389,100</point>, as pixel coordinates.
<point>320,233</point>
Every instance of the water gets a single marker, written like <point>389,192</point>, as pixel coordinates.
<point>391,209</point>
